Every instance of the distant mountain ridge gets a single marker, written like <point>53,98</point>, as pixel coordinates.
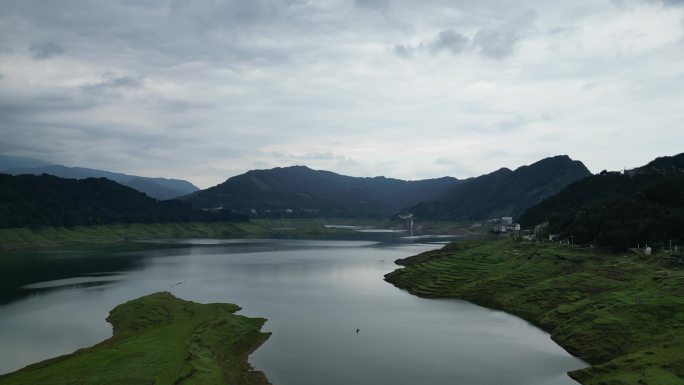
<point>46,200</point>
<point>301,191</point>
<point>158,188</point>
<point>504,192</point>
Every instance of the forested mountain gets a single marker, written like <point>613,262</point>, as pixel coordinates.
<point>301,191</point>
<point>159,188</point>
<point>665,164</point>
<point>643,205</point>
<point>504,192</point>
<point>46,200</point>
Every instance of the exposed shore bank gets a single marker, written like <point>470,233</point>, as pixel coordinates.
<point>52,237</point>
<point>622,313</point>
<point>160,339</point>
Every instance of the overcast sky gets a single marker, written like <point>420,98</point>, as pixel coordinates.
<point>204,90</point>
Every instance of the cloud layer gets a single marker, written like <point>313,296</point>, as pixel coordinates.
<point>206,90</point>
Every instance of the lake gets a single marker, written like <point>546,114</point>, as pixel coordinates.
<point>315,294</point>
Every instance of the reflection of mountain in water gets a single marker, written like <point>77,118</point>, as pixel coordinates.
<point>21,271</point>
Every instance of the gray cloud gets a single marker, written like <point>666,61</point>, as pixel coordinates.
<point>499,43</point>
<point>23,109</point>
<point>667,3</point>
<point>372,4</point>
<point>203,90</point>
<point>110,81</point>
<point>168,33</point>
<point>45,51</point>
<point>178,106</point>
<point>404,51</point>
<point>447,40</point>
<point>450,41</point>
<point>494,43</point>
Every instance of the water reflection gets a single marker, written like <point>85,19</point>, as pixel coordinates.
<point>315,293</point>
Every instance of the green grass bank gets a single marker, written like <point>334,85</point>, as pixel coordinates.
<point>50,237</point>
<point>622,313</point>
<point>53,237</point>
<point>160,339</point>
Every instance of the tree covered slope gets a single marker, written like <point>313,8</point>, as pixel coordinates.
<point>504,192</point>
<point>158,188</point>
<point>301,191</point>
<point>46,200</point>
<point>643,205</point>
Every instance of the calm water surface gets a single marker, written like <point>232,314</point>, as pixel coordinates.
<point>315,294</point>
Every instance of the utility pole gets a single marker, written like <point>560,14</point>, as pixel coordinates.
<point>572,240</point>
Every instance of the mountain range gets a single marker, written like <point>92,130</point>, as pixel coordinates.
<point>301,191</point>
<point>503,192</point>
<point>617,209</point>
<point>158,188</point>
<point>46,200</point>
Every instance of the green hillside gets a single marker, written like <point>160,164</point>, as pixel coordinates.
<point>299,191</point>
<point>622,313</point>
<point>620,210</point>
<point>29,200</point>
<point>504,192</point>
<point>158,188</point>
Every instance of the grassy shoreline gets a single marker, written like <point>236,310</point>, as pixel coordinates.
<point>53,237</point>
<point>160,339</point>
<point>622,313</point>
<point>48,237</point>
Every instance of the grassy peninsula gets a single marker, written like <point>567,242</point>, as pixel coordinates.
<point>160,339</point>
<point>622,313</point>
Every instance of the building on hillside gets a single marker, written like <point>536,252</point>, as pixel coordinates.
<point>507,220</point>
<point>503,228</point>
